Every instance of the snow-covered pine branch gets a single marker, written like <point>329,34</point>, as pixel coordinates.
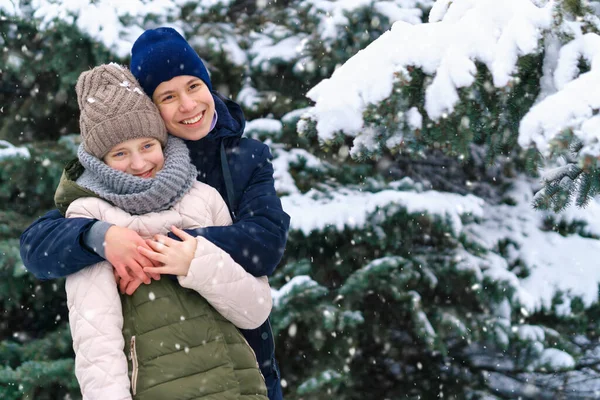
<point>510,72</point>
<point>493,33</point>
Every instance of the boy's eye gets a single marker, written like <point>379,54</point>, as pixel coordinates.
<point>194,86</point>
<point>167,98</point>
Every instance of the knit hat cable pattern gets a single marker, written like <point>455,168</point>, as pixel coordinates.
<point>141,195</point>
<point>114,109</point>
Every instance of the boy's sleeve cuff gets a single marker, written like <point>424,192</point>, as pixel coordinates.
<point>94,238</point>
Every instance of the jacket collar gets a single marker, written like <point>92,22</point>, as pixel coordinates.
<point>68,190</point>
<point>231,121</point>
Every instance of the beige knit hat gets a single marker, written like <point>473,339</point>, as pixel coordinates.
<point>114,109</point>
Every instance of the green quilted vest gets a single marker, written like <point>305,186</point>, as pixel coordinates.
<point>68,190</point>
<point>181,348</point>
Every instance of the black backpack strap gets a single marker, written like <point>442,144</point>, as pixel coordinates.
<point>228,182</point>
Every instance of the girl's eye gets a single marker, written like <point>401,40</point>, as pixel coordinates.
<point>119,154</point>
<point>148,145</point>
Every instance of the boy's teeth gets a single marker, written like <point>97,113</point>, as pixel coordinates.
<point>193,120</point>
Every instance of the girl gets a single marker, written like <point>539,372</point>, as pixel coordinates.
<point>182,340</point>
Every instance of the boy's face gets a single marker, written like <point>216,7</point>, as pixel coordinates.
<point>186,105</point>
<point>140,157</point>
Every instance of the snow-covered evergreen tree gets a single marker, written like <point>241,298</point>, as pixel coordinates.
<point>458,113</point>
<point>408,135</point>
<point>35,342</point>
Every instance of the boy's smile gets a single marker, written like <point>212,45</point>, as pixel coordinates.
<point>186,105</point>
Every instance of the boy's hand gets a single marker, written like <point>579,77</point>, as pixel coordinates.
<point>121,249</point>
<point>130,285</point>
<point>175,256</point>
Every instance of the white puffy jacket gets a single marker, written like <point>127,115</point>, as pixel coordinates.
<point>95,315</point>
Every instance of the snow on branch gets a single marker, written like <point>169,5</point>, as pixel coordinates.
<point>8,150</point>
<point>103,20</point>
<point>10,7</point>
<point>490,32</point>
<point>350,208</point>
<point>575,104</point>
<point>332,15</point>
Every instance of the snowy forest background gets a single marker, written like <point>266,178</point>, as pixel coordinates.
<point>412,140</point>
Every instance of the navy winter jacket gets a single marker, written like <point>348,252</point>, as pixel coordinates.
<point>52,246</point>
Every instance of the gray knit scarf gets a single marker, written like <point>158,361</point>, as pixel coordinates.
<point>141,195</point>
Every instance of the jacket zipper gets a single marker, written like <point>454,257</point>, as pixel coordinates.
<point>134,362</point>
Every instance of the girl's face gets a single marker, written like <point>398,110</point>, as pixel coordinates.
<point>140,157</point>
<point>186,105</point>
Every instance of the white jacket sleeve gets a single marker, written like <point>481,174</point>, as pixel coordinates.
<point>96,322</point>
<point>242,298</point>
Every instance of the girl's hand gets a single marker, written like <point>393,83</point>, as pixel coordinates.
<point>174,256</point>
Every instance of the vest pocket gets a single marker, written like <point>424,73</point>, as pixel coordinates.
<point>134,364</point>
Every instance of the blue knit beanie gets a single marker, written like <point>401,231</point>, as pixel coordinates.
<point>160,55</point>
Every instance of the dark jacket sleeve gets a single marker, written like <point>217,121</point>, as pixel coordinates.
<point>52,247</point>
<point>257,239</point>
